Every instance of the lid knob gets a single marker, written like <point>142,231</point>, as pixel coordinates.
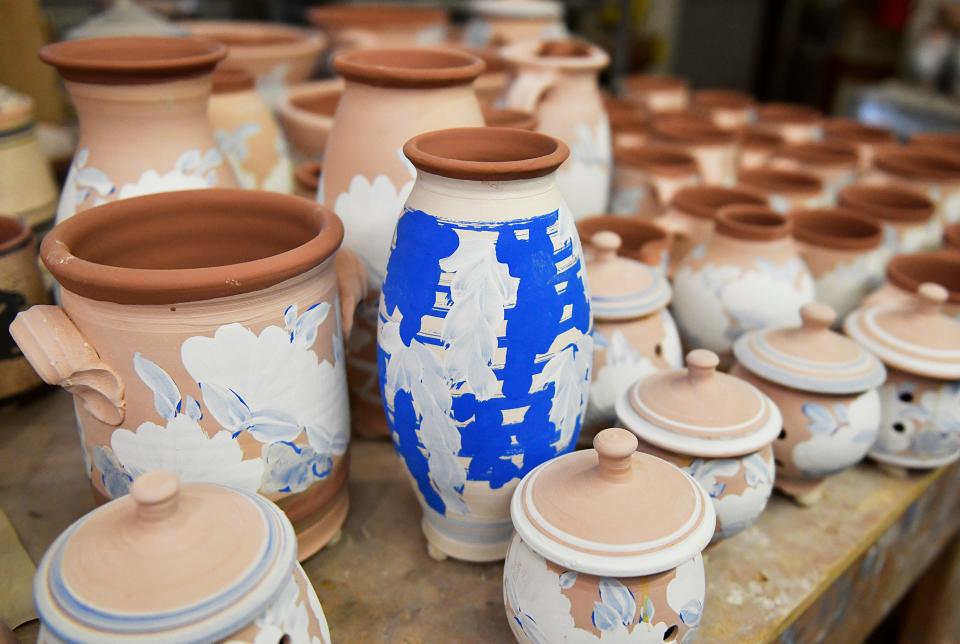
<point>701,364</point>
<point>606,244</point>
<point>931,297</point>
<point>156,494</point>
<point>817,316</point>
<point>615,447</point>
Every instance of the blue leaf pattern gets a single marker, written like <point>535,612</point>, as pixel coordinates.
<point>190,408</point>
<point>226,406</point>
<point>116,480</point>
<point>819,420</point>
<point>568,579</point>
<point>292,468</point>
<point>166,396</point>
<point>691,612</point>
<point>616,607</point>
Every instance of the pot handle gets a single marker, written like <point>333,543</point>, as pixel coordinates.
<point>60,355</point>
<point>352,286</point>
<point>528,88</point>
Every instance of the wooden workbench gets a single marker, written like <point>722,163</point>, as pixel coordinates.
<point>798,574</point>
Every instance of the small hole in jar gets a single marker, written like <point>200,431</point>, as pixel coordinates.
<point>906,397</point>
<point>670,632</point>
<point>284,640</point>
<point>899,427</point>
<point>783,433</point>
<point>658,350</point>
<point>778,462</point>
<point>173,308</point>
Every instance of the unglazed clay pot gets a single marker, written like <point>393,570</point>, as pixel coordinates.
<point>629,121</point>
<point>248,134</point>
<point>390,96</point>
<point>27,187</point>
<point>657,92</point>
<point>844,251</point>
<point>484,336</point>
<point>908,216</point>
<point>943,142</point>
<point>825,387</point>
<point>920,345</point>
<point>497,117</point>
<point>835,163</point>
<point>306,179</point>
<point>176,563</point>
<point>935,174</point>
<point>714,149</point>
<point>757,145</point>
<point>640,239</point>
<point>729,109</point>
<point>306,114</point>
<point>200,332</point>
<point>583,568</point>
<point>748,275</point>
<point>716,427</point>
<point>865,138</point>
<point>491,86</point>
<point>20,286</point>
<point>557,81</point>
<point>152,91</point>
<point>787,190</point>
<point>905,274</point>
<point>368,25</point>
<point>646,178</point>
<point>503,22</point>
<point>795,123</point>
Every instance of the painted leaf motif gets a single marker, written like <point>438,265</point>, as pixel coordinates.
<point>620,600</point>
<point>292,468</point>
<point>290,319</point>
<point>691,612</point>
<point>226,406</point>
<point>116,481</point>
<point>819,420</point>
<point>307,324</point>
<point>166,396</point>
<point>840,413</point>
<point>646,614</point>
<point>605,618</point>
<point>568,371</point>
<point>270,426</point>
<point>568,579</point>
<point>190,408</point>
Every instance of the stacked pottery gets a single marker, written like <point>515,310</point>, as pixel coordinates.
<point>498,117</point>
<point>641,240</point>
<point>646,178</point>
<point>27,188</point>
<point>908,217</point>
<point>714,149</point>
<point>633,334</point>
<point>248,134</point>
<point>728,109</point>
<point>786,190</point>
<point>716,427</point>
<point>390,95</point>
<point>306,114</point>
<point>905,274</point>
<point>794,123</point>
<point>557,81</point>
<point>748,275</point>
<point>368,25</point>
<point>867,139</point>
<point>757,145</point>
<point>835,163</point>
<point>825,387</point>
<point>935,174</point>
<point>153,91</point>
<point>920,425</point>
<point>584,568</point>
<point>200,332</point>
<point>484,337</point>
<point>503,22</point>
<point>170,562</point>
<point>656,92</point>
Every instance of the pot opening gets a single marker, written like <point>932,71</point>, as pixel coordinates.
<point>758,138</point>
<point>687,128</point>
<point>850,130</point>
<point>564,49</point>
<point>752,223</point>
<point>920,163</point>
<point>722,99</point>
<point>787,113</point>
<point>821,153</point>
<point>13,233</point>
<point>781,181</point>
<point>705,201</point>
<point>496,117</point>
<point>656,159</point>
<point>231,79</point>
<point>412,67</point>
<point>836,228</point>
<point>908,272</point>
<point>634,232</point>
<point>887,202</point>
<point>323,102</point>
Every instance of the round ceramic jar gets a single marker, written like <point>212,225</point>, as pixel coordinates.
<point>757,145</point>
<point>908,216</point>
<point>748,275</point>
<point>825,387</point>
<point>484,335</point>
<point>646,178</point>
<point>787,190</point>
<point>178,563</point>
<point>934,173</point>
<point>905,274</point>
<point>499,117</point>
<point>495,23</point>
<point>795,123</point>
<point>865,138</point>
<point>657,92</point>
<point>714,149</point>
<point>306,179</point>
<point>716,427</point>
<point>372,25</point>
<point>641,240</point>
<point>835,163</point>
<point>27,187</point>
<point>633,333</point>
<point>583,568</point>
<point>920,345</point>
<point>306,114</point>
<point>728,109</point>
<point>200,332</point>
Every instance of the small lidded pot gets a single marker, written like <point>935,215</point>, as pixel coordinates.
<point>169,562</point>
<point>920,424</point>
<point>825,387</point>
<point>716,427</point>
<point>584,567</point>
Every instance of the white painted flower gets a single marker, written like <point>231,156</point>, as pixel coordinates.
<point>735,512</point>
<point>567,370</point>
<point>234,146</point>
<point>81,182</point>
<point>288,619</point>
<point>584,179</point>
<point>280,177</point>
<point>841,435</point>
<point>192,170</point>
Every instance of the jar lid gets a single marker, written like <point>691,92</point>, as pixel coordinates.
<point>810,357</point>
<point>578,510</point>
<point>913,336</point>
<point>196,562</point>
<point>622,288</point>
<point>700,411</point>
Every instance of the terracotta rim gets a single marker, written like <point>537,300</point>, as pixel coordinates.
<point>13,234</point>
<point>836,154</point>
<point>688,129</point>
<point>588,58</point>
<point>656,159</point>
<point>634,232</point>
<point>497,117</point>
<point>853,131</point>
<point>951,235</point>
<point>231,79</point>
<point>486,153</point>
<point>781,181</point>
<point>189,246</point>
<point>705,201</point>
<point>654,83</point>
<point>490,57</point>
<point>908,272</point>
<point>838,228</point>
<point>752,223</point>
<point>319,100</point>
<point>722,99</point>
<point>381,16</point>
<point>918,163</point>
<point>409,68</point>
<point>946,141</point>
<point>307,175</point>
<point>760,139</point>
<point>788,113</point>
<point>132,60</point>
<point>888,203</point>
<point>264,41</point>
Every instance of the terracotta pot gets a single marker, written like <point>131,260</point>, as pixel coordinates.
<point>198,333</point>
<point>748,275</point>
<point>714,149</point>
<point>478,253</point>
<point>646,178</point>
<point>794,123</point>
<point>557,81</point>
<point>951,237</point>
<point>641,240</point>
<point>729,109</point>
<point>248,134</point>
<point>907,215</point>
<point>629,121</point>
<point>844,251</point>
<point>496,117</point>
<point>491,86</point>
<point>786,190</point>
<point>865,138</point>
<point>390,95</point>
<point>172,562</point>
<point>942,142</point>
<point>363,26</point>
<point>306,179</point>
<point>27,187</point>
<point>835,163</point>
<point>935,174</point>
<point>582,569</point>
<point>306,114</point>
<point>905,274</point>
<point>496,23</point>
<point>656,92</point>
<point>825,387</point>
<point>757,145</point>
<point>20,286</point>
<point>921,398</point>
<point>153,91</point>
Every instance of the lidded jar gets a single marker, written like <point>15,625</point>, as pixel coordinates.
<point>717,427</point>
<point>607,548</point>
<point>825,387</point>
<point>176,563</point>
<point>920,401</point>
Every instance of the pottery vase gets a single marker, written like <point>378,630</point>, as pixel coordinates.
<point>786,190</point>
<point>794,123</point>
<point>835,163</point>
<point>640,239</point>
<point>379,25</point>
<point>714,149</point>
<point>484,337</point>
<point>496,23</point>
<point>646,178</point>
<point>27,187</point>
<point>907,216</point>
<point>934,173</point>
<point>306,114</point>
<point>757,145</point>
<point>201,333</point>
<point>865,138</point>
<point>728,109</point>
<point>657,92</point>
<point>905,273</point>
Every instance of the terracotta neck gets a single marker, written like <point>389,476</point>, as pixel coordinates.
<point>836,228</point>
<point>14,234</point>
<point>887,203</point>
<point>704,201</point>
<point>785,182</point>
<point>412,68</point>
<point>659,160</point>
<point>908,272</point>
<point>920,164</point>
<point>639,239</point>
<point>752,223</point>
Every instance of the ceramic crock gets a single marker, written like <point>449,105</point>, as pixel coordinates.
<point>844,251</point>
<point>716,427</point>
<point>583,568</point>
<point>825,386</point>
<point>306,114</point>
<point>371,25</point>
<point>657,92</point>
<point>795,123</point>
<point>908,216</point>
<point>787,190</point>
<point>306,179</point>
<point>714,149</point>
<point>934,173</point>
<point>497,23</point>
<point>153,91</point>
<point>640,239</point>
<point>557,81</point>
<point>865,138</point>
<point>748,275</point>
<point>646,178</point>
<point>27,187</point>
<point>757,145</point>
<point>728,109</point>
<point>390,95</point>
<point>248,134</point>
<point>484,337</point>
<point>200,332</point>
<point>834,162</point>
<point>20,286</point>
<point>499,117</point>
<point>920,424</point>
<point>172,562</point>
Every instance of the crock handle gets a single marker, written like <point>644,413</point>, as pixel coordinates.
<point>528,88</point>
<point>352,286</point>
<point>60,355</point>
